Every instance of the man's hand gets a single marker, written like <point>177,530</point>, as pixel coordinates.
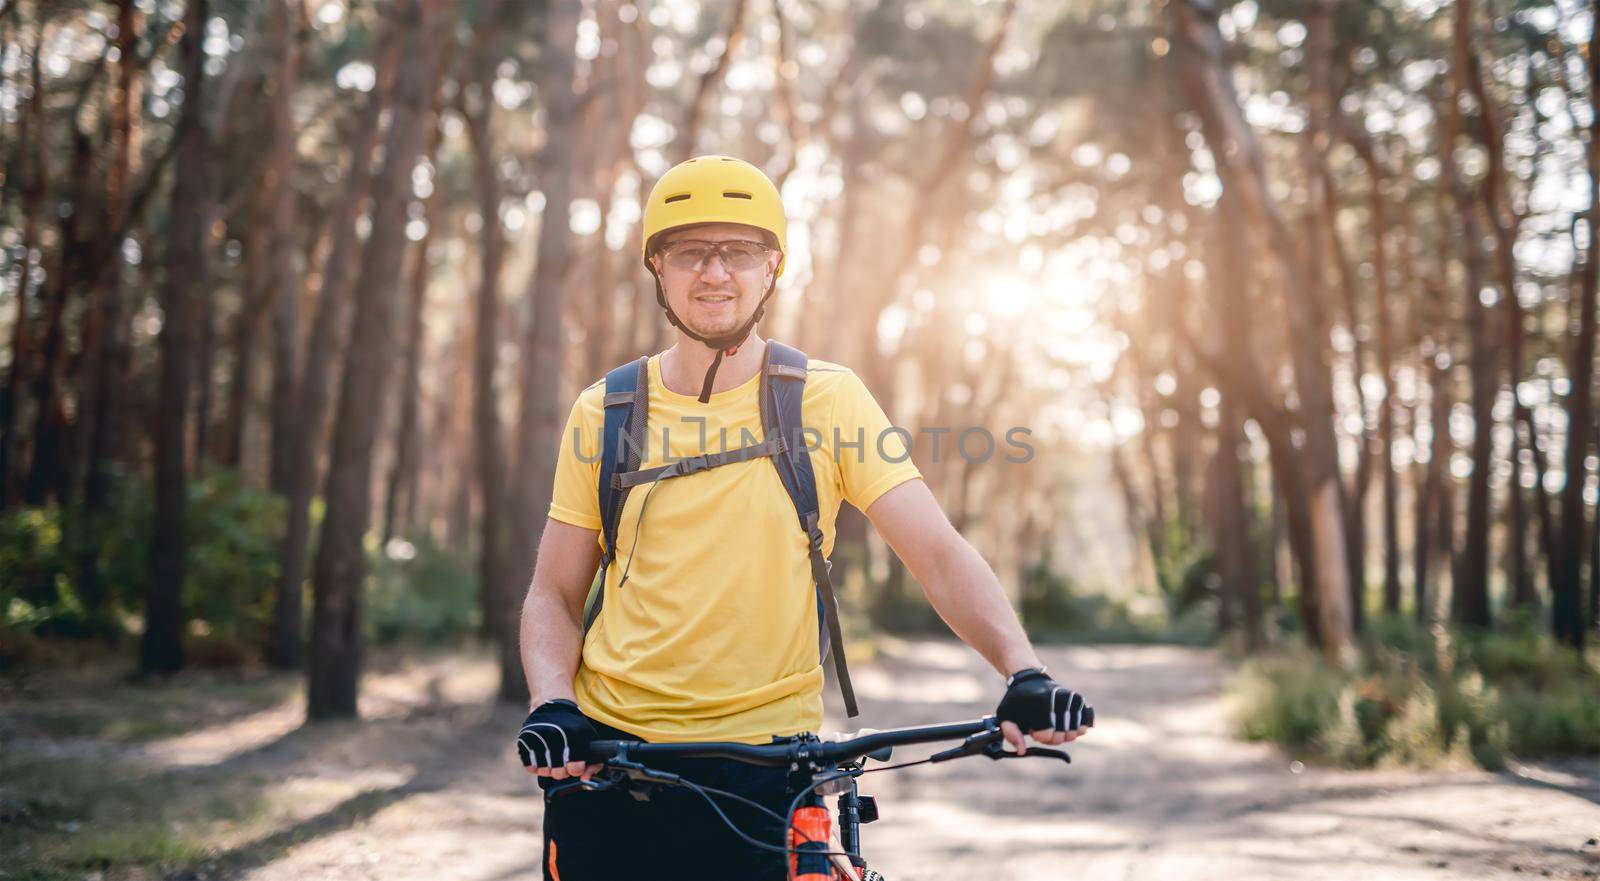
<point>1051,713</point>
<point>554,741</point>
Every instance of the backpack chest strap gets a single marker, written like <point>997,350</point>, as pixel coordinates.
<point>772,446</point>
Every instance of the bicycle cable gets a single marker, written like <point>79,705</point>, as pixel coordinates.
<point>706,792</point>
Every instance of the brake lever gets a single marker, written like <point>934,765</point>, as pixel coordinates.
<point>977,744</point>
<point>997,751</point>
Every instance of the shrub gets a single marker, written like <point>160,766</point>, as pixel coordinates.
<point>34,589</point>
<point>1288,699</point>
<point>1425,699</point>
<point>420,591</point>
<point>233,531</point>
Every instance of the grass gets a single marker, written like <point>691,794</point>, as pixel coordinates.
<point>63,817</point>
<point>74,800</point>
<point>55,704</point>
<point>1424,699</point>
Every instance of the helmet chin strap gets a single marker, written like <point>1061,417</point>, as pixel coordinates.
<point>724,344</point>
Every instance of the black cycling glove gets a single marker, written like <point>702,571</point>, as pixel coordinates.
<point>555,733</point>
<point>1036,703</point>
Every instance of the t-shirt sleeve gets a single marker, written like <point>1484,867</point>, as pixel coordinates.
<point>874,456</point>
<point>574,499</point>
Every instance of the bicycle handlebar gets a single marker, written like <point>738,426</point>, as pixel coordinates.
<point>780,754</point>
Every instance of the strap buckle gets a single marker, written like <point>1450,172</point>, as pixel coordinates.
<point>693,464</point>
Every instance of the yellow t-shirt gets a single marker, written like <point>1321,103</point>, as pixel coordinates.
<point>714,635</point>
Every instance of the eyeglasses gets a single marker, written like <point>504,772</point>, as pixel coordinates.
<point>692,255</point>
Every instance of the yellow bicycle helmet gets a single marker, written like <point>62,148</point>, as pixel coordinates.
<point>714,189</point>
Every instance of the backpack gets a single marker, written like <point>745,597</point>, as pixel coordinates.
<point>783,380</point>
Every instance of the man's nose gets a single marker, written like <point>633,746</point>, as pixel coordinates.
<point>714,269</point>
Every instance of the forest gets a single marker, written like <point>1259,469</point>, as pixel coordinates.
<point>1295,299</point>
<point>1291,304</point>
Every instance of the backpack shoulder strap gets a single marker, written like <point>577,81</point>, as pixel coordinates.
<point>783,387</point>
<point>627,413</point>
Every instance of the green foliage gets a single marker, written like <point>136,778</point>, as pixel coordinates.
<point>1287,698</point>
<point>233,530</point>
<point>420,591</point>
<point>1425,699</point>
<point>34,588</point>
<point>1052,607</point>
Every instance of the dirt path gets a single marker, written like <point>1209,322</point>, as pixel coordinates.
<point>428,788</point>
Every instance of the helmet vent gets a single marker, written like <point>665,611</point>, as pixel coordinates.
<point>733,195</point>
<point>681,197</point>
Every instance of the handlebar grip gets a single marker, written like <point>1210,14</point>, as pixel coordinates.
<point>1088,717</point>
<point>602,750</point>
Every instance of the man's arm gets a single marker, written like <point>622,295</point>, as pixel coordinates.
<point>959,584</point>
<point>552,612</point>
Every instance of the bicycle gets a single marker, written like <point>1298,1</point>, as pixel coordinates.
<point>818,768</point>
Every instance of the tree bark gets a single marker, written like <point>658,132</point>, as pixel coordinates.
<point>47,468</point>
<point>706,86</point>
<point>329,328</point>
<point>35,188</point>
<point>540,411</point>
<point>1386,411</point>
<point>256,298</point>
<point>402,471</point>
<point>1435,514</point>
<point>496,591</point>
<point>1236,557</point>
<point>161,648</point>
<point>1470,596</point>
<point>1567,592</point>
<point>1242,166</point>
<point>278,180</point>
<point>1355,492</point>
<point>98,433</point>
<point>336,626</point>
<point>1505,224</point>
<point>1594,554</point>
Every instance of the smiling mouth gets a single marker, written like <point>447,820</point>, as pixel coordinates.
<point>715,298</point>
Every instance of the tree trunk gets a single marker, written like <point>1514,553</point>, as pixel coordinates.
<point>1236,557</point>
<point>246,331</point>
<point>205,366</point>
<point>1242,166</point>
<point>47,469</point>
<point>336,625</point>
<point>329,328</point>
<point>1566,612</point>
<point>278,181</point>
<point>1433,502</point>
<point>706,86</point>
<point>1470,596</point>
<point>402,472</point>
<point>1594,555</point>
<point>496,591</point>
<point>98,434</point>
<point>161,649</point>
<point>35,188</point>
<point>1548,547</point>
<point>540,411</point>
<point>1325,223</point>
<point>1378,211</point>
<point>1504,223</point>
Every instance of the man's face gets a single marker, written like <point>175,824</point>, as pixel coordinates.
<point>715,298</point>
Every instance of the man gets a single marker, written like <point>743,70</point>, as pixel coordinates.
<point>714,597</point>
